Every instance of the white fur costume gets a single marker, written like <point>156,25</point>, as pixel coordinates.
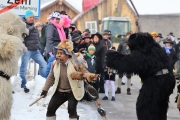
<point>11,48</point>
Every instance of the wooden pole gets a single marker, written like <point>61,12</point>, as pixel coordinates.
<point>36,101</point>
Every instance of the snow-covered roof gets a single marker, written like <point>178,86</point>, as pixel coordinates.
<point>43,5</point>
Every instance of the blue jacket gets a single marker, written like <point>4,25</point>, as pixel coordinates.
<point>50,60</point>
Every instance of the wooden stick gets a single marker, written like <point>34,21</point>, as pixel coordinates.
<point>105,118</point>
<point>36,101</point>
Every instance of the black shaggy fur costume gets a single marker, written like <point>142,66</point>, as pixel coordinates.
<point>145,60</point>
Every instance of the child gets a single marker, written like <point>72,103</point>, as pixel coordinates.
<point>110,78</point>
<point>90,59</point>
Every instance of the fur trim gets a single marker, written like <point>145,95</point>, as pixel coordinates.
<point>66,45</point>
<point>91,76</point>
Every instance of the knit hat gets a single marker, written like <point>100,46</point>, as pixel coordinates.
<point>29,13</point>
<point>91,47</point>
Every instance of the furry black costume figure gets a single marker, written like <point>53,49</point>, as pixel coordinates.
<point>150,62</point>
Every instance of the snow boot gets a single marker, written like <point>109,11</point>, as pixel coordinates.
<point>26,90</point>
<point>118,91</point>
<point>129,91</point>
<point>51,118</point>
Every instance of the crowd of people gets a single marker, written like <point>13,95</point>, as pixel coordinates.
<point>41,48</point>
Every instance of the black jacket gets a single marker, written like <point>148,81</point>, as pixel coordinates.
<point>100,54</point>
<point>91,62</point>
<point>110,75</point>
<point>122,48</point>
<point>177,49</point>
<point>106,44</point>
<point>52,37</point>
<point>32,41</point>
<point>172,58</point>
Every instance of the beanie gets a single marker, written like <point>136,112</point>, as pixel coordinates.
<point>29,13</point>
<point>91,47</point>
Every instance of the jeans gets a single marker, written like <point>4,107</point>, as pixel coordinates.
<point>38,58</point>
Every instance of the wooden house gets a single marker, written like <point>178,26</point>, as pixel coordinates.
<point>49,7</point>
<point>105,8</point>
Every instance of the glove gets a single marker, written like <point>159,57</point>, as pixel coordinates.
<point>44,93</point>
<point>76,76</point>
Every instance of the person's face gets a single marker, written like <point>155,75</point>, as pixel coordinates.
<point>158,38</point>
<point>91,52</point>
<point>168,44</point>
<point>56,20</point>
<point>61,56</point>
<point>127,36</point>
<point>106,36</point>
<point>87,40</point>
<point>95,39</point>
<point>77,41</point>
<point>70,30</point>
<point>30,19</point>
<point>154,38</point>
<point>169,37</point>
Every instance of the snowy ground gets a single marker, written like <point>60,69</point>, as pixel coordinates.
<point>22,111</point>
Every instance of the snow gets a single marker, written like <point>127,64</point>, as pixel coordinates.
<point>22,111</point>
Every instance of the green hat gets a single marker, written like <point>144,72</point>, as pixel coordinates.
<point>91,47</point>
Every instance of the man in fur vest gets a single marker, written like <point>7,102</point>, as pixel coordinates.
<point>66,86</point>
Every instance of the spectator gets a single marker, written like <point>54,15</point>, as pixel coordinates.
<point>90,59</point>
<point>54,34</point>
<point>71,29</point>
<point>110,35</point>
<point>76,40</point>
<point>177,49</point>
<point>32,42</point>
<point>86,41</point>
<point>170,53</point>
<point>154,35</point>
<point>159,40</point>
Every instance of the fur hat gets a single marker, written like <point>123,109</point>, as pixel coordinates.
<point>91,47</point>
<point>66,46</point>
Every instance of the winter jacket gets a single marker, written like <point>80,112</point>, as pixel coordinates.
<point>106,44</point>
<point>172,58</point>
<point>90,59</point>
<point>50,60</point>
<point>52,37</point>
<point>110,74</point>
<point>122,48</point>
<point>83,45</point>
<point>32,41</point>
<point>100,54</point>
<point>76,47</point>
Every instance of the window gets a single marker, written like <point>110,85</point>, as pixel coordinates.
<point>92,26</point>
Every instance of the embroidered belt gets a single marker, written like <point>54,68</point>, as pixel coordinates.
<point>162,72</point>
<point>4,75</point>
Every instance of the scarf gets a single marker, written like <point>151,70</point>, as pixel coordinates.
<point>168,49</point>
<point>60,29</point>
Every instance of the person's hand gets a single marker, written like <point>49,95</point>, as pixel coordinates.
<point>44,93</point>
<point>37,24</point>
<point>51,54</point>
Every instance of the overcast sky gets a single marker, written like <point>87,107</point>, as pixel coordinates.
<point>157,6</point>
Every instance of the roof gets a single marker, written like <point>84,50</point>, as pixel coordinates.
<point>68,3</point>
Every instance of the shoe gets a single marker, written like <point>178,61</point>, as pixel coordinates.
<point>118,91</point>
<point>131,84</point>
<point>105,98</point>
<point>128,91</point>
<point>113,98</point>
<point>26,90</point>
<point>122,83</point>
<point>13,92</point>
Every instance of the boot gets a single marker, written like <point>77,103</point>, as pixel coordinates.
<point>118,91</point>
<point>129,91</point>
<point>113,98</point>
<point>51,118</point>
<point>105,98</point>
<point>26,90</point>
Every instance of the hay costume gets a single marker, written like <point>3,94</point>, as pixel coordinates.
<point>150,62</point>
<point>13,30</point>
<point>68,84</point>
